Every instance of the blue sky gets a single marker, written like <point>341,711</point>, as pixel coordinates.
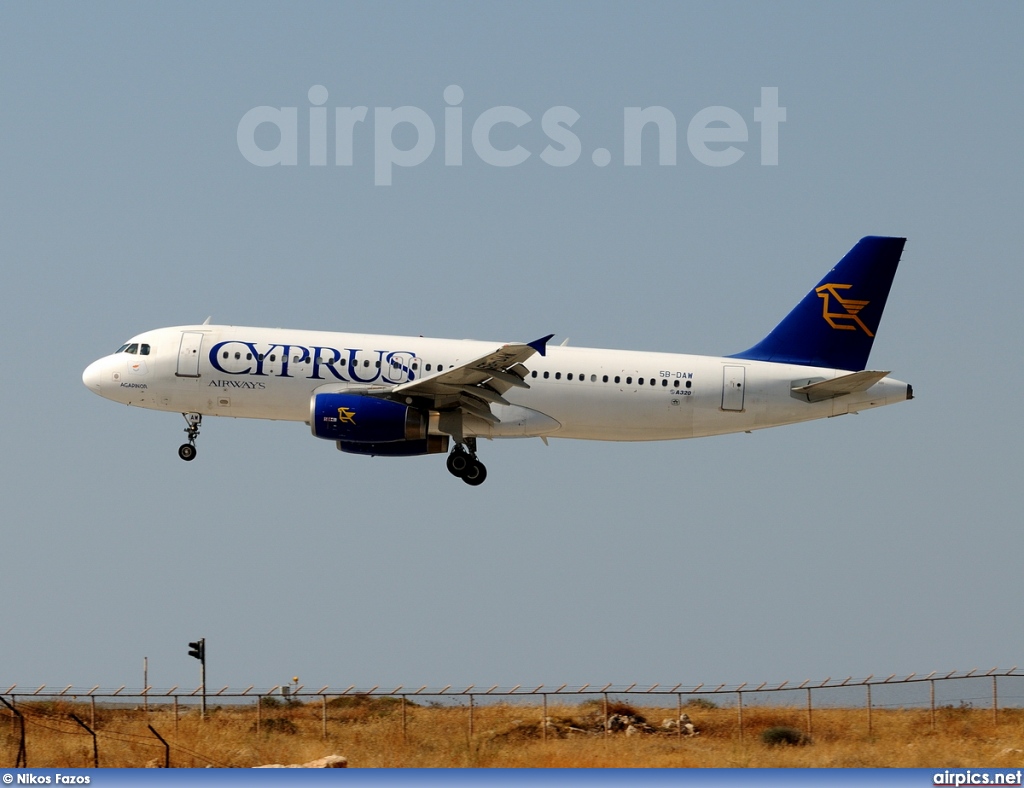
<point>880,543</point>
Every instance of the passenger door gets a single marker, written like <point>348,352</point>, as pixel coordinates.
<point>188,354</point>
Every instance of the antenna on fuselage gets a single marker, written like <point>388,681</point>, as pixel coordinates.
<point>208,319</point>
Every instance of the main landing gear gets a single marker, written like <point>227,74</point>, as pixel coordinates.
<point>462,462</point>
<point>187,451</point>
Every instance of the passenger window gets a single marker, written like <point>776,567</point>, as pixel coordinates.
<point>617,379</point>
<point>273,357</point>
<point>546,374</point>
<point>533,374</point>
<point>593,378</point>
<point>629,381</point>
<point>558,376</point>
<point>224,354</point>
<point>689,383</point>
<point>238,355</point>
<point>664,381</point>
<point>569,376</point>
<point>428,368</point>
<point>248,356</point>
<point>640,381</point>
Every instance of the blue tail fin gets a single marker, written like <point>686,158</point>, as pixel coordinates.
<point>835,324</point>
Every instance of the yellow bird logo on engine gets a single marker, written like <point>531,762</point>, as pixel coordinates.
<point>346,416</point>
<point>852,308</point>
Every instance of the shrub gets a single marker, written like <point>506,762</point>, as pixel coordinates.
<point>783,734</point>
<point>378,703</point>
<point>278,725</point>
<point>621,707</point>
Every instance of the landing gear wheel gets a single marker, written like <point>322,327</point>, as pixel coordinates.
<point>475,473</point>
<point>187,451</point>
<point>458,463</point>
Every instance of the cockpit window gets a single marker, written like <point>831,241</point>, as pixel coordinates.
<point>134,348</point>
<point>122,349</point>
<point>143,350</point>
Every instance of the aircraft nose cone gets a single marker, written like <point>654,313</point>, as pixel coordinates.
<point>92,376</point>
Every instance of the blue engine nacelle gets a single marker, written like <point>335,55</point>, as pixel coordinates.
<point>359,419</point>
<point>377,427</point>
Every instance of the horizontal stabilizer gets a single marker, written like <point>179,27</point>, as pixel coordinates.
<point>837,387</point>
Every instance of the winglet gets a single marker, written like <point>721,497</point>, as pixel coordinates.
<point>541,345</point>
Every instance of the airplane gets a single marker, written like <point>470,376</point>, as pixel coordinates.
<point>400,396</point>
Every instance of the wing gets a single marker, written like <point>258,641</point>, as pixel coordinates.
<point>471,388</point>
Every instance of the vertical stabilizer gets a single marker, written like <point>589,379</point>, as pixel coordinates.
<point>834,325</point>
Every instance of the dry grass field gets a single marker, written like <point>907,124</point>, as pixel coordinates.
<point>371,733</point>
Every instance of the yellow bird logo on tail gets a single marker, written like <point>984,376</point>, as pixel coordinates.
<point>852,308</point>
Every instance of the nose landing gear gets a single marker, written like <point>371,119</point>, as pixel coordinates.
<point>187,451</point>
<point>463,464</point>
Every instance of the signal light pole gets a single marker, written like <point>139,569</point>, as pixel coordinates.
<point>197,649</point>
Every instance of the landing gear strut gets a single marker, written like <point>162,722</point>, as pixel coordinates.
<point>187,451</point>
<point>463,463</point>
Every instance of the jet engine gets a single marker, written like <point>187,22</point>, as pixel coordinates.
<point>369,425</point>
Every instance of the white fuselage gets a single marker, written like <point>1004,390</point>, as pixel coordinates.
<point>587,393</point>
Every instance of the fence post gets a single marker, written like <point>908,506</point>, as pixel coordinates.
<point>259,713</point>
<point>175,715</point>
<point>471,718</point>
<point>167,747</point>
<point>544,719</point>
<point>324,732</point>
<point>95,746</point>
<point>809,726</point>
<point>606,731</point>
<point>679,716</point>
<point>932,682</point>
<point>404,729</point>
<point>22,758</point>
<point>92,714</point>
<point>739,706</point>
<point>995,701</point>
<point>869,708</point>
